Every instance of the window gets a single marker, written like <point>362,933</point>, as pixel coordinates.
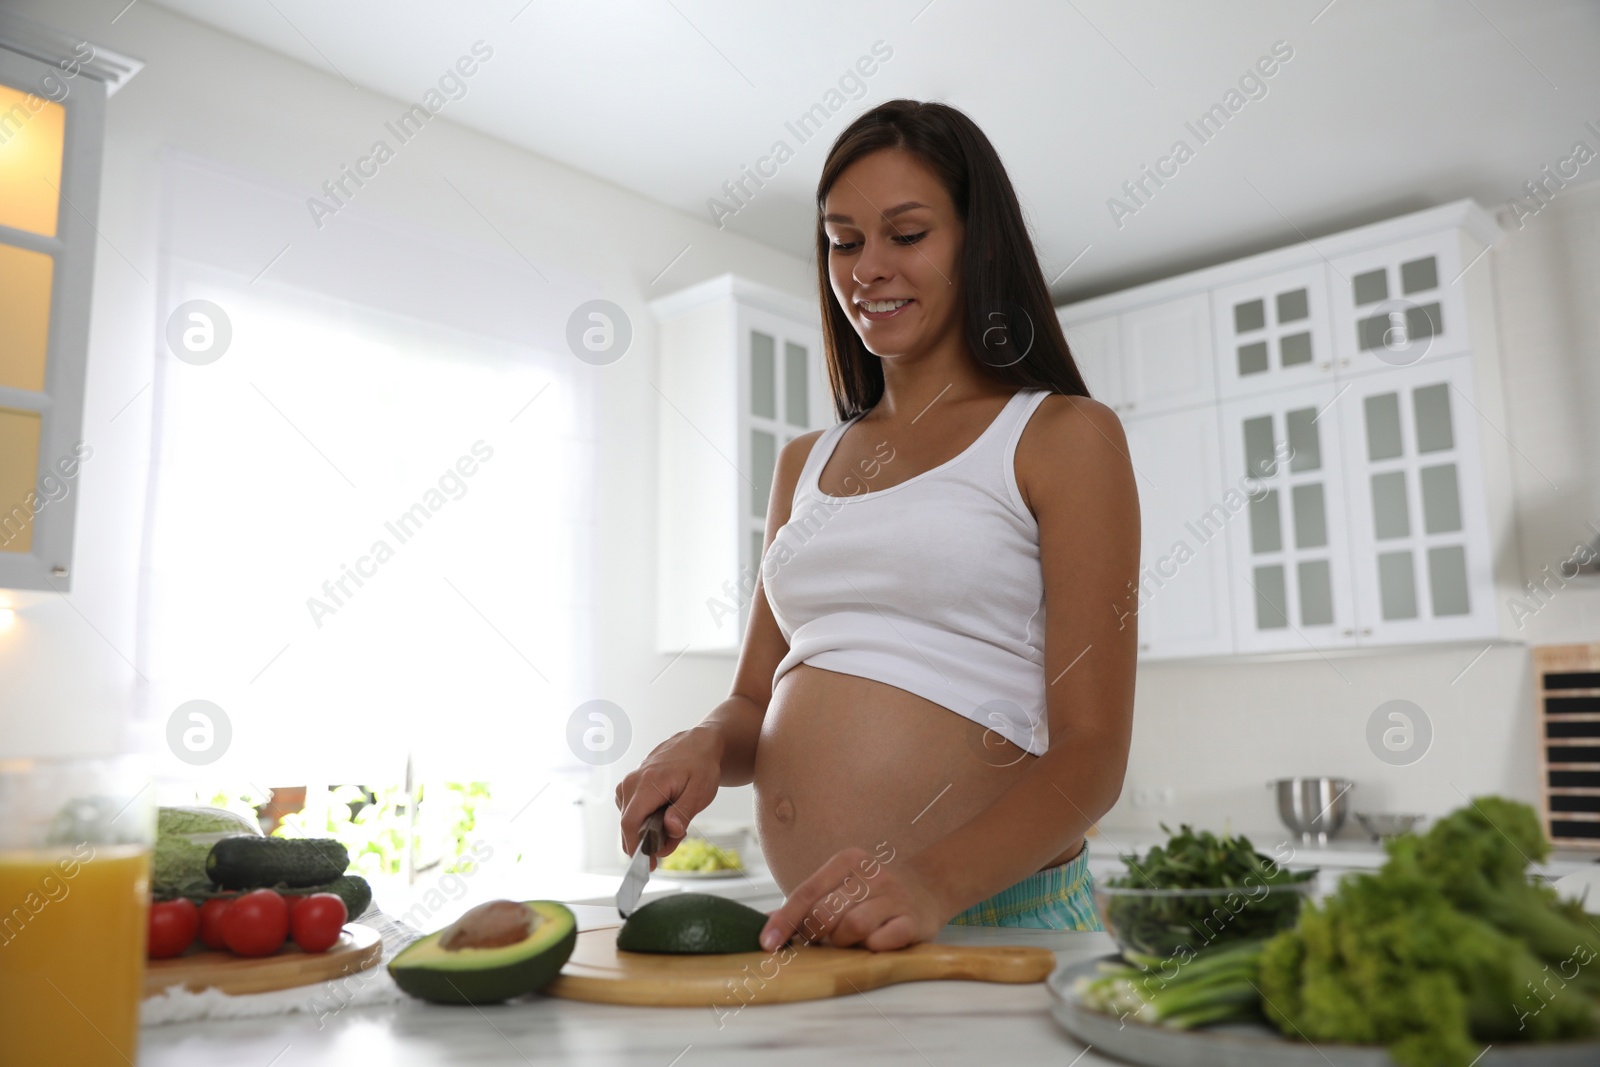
<point>368,539</point>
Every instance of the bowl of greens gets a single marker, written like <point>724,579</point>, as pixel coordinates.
<point>1454,944</point>
<point>1196,891</point>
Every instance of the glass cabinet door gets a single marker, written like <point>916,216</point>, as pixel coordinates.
<point>1400,304</point>
<point>1419,543</point>
<point>779,397</point>
<point>32,143</point>
<point>1287,526</point>
<point>1273,332</point>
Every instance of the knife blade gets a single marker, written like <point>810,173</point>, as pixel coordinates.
<point>651,835</point>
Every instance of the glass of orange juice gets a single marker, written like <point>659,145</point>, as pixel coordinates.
<point>75,841</point>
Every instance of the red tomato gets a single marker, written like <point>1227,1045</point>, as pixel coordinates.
<point>211,913</point>
<point>256,923</point>
<point>317,921</point>
<point>173,924</point>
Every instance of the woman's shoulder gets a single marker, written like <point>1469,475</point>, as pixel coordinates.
<point>1071,444</point>
<point>1066,421</point>
<point>794,453</point>
<point>791,463</point>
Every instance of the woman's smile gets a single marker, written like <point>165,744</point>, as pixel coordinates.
<point>882,310</point>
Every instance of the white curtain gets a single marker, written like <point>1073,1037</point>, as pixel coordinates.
<point>368,536</point>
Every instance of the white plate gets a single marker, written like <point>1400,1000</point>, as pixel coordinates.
<point>662,872</point>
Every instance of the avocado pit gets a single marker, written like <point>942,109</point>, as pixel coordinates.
<point>493,925</point>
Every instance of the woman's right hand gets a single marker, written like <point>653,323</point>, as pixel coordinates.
<point>684,772</point>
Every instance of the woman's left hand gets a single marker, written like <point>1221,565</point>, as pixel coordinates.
<point>860,898</point>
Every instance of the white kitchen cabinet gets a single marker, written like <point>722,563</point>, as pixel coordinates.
<point>1273,332</point>
<point>50,159</point>
<point>1288,540</point>
<point>1401,302</point>
<point>1148,359</point>
<point>1419,544</point>
<point>1183,573</point>
<point>1096,346</point>
<point>1374,527</point>
<point>741,373</point>
<point>1166,356</point>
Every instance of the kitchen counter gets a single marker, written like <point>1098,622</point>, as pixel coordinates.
<point>1344,851</point>
<point>915,1024</point>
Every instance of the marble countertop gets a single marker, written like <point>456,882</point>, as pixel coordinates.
<point>916,1024</point>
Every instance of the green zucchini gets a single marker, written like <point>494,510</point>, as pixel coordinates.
<point>251,862</point>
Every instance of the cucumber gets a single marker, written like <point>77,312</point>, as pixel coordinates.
<point>251,862</point>
<point>353,889</point>
<point>355,892</point>
<point>350,888</point>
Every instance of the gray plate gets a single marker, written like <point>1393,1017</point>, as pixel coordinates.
<point>1252,1045</point>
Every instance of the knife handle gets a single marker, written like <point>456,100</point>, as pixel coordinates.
<point>654,831</point>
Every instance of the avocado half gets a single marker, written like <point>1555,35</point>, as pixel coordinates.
<point>428,970</point>
<point>693,923</point>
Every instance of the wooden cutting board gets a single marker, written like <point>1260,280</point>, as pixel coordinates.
<point>358,948</point>
<point>599,972</point>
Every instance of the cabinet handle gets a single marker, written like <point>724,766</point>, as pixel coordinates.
<point>1130,405</point>
<point>1347,633</point>
<point>1144,646</point>
<point>1366,631</point>
<point>1345,362</point>
<point>1328,365</point>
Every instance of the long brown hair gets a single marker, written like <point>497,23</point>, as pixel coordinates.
<point>1010,324</point>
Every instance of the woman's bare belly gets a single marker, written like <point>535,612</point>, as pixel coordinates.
<point>848,761</point>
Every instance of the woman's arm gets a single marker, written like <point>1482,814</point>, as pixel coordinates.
<point>686,769</point>
<point>738,719</point>
<point>1078,480</point>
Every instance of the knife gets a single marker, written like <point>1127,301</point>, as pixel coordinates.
<point>651,835</point>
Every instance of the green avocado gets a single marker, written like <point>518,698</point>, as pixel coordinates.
<point>693,923</point>
<point>470,975</point>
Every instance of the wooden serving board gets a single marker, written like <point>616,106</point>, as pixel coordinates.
<point>599,972</point>
<point>358,948</point>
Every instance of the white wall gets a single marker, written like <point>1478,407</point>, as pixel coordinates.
<point>68,682</point>
<point>1216,733</point>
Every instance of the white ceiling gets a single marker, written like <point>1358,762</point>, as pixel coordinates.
<point>1384,108</point>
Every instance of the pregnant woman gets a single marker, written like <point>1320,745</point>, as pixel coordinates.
<point>935,692</point>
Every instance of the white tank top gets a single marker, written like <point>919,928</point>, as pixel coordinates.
<point>932,585</point>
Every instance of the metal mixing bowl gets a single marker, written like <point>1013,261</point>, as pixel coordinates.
<point>1314,808</point>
